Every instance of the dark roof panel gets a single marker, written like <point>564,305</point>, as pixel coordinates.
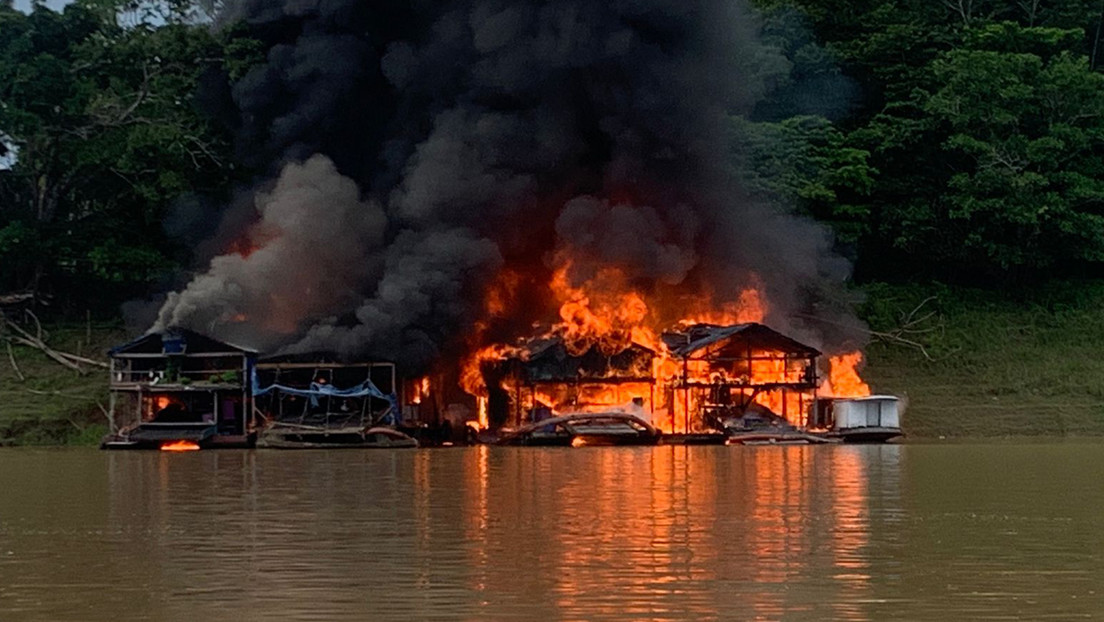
<point>176,341</point>
<point>684,343</point>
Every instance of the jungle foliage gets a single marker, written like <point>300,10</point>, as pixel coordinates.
<point>960,140</point>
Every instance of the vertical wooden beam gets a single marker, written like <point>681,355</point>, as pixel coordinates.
<point>686,397</point>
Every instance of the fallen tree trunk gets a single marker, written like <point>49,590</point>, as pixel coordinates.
<point>14,299</point>
<point>71,361</point>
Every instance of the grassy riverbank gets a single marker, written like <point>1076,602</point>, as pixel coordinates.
<point>53,405</point>
<point>998,367</point>
<point>1029,366</point>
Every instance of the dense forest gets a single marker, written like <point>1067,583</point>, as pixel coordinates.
<point>952,140</point>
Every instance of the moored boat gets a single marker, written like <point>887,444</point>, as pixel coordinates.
<point>282,435</point>
<point>584,429</point>
<point>871,419</point>
<point>759,426</point>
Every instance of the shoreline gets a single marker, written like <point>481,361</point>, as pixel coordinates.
<point>89,438</point>
<point>994,370</point>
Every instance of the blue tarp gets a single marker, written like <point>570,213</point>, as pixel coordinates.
<point>317,390</point>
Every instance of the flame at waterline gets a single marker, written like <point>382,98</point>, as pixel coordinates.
<point>180,446</point>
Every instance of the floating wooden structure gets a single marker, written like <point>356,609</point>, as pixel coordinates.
<point>310,401</point>
<point>727,371</point>
<point>741,384</point>
<point>179,389</point>
<point>548,379</point>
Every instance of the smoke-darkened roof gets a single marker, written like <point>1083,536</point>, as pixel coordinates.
<point>549,360</point>
<point>692,340</point>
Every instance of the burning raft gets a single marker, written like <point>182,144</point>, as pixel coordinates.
<point>737,384</point>
<point>743,383</point>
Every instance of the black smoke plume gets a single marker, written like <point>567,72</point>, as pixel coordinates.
<point>416,149</point>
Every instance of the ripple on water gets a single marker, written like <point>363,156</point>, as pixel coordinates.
<point>666,533</point>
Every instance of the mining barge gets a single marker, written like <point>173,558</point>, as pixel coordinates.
<point>739,384</point>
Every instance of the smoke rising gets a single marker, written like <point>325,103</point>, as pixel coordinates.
<point>314,244</point>
<point>421,148</point>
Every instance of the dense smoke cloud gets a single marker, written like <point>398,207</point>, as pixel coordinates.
<point>314,244</point>
<point>446,141</point>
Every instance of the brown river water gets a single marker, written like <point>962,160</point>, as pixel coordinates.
<point>909,532</point>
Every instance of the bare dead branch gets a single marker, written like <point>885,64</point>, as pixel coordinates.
<point>38,325</point>
<point>902,335</point>
<point>14,299</point>
<point>58,358</point>
<point>15,366</point>
<point>72,361</point>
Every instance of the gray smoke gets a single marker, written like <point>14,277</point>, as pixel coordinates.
<point>314,245</point>
<point>447,141</point>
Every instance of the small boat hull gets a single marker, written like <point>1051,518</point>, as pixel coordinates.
<point>776,438</point>
<point>602,429</point>
<point>868,435</point>
<point>303,437</point>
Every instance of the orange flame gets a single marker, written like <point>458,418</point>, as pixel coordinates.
<point>180,446</point>
<point>843,377</point>
<point>604,308</point>
<point>483,421</point>
<point>605,312</point>
<point>421,390</point>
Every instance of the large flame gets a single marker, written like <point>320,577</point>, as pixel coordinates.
<point>843,377</point>
<point>601,307</point>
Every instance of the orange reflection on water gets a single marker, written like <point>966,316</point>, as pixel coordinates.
<point>629,543</point>
<point>653,533</point>
<point>851,511</point>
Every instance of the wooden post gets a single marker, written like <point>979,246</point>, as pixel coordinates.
<point>111,413</point>
<point>686,398</point>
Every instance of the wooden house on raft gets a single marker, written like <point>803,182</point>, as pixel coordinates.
<point>546,378</point>
<point>316,401</point>
<point>181,390</point>
<point>728,372</point>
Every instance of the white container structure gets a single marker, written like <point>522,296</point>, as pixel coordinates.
<point>872,419</point>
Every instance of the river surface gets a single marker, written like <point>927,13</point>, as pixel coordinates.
<point>909,532</point>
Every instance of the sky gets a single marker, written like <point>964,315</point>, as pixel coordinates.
<point>25,5</point>
<point>8,159</point>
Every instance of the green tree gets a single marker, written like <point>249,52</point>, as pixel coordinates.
<point>805,162</point>
<point>107,136</point>
<point>1026,151</point>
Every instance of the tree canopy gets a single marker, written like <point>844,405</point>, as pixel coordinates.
<point>105,132</point>
<point>952,139</point>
